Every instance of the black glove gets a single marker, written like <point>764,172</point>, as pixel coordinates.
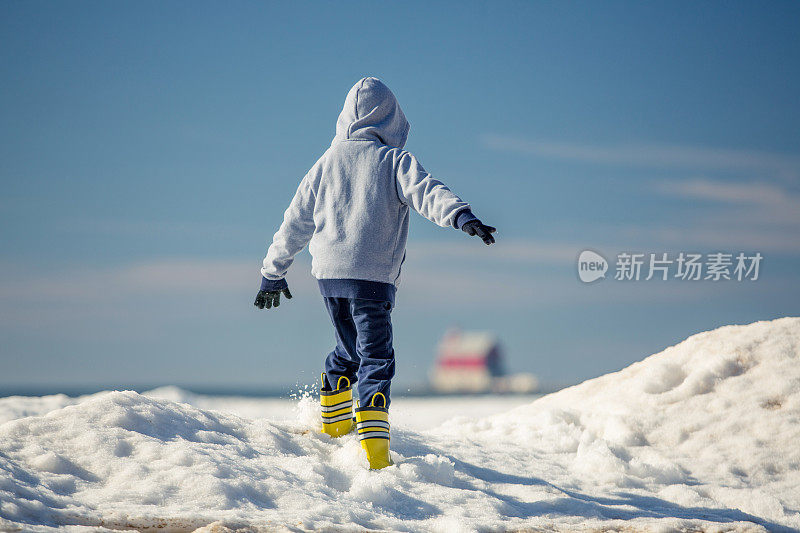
<point>270,293</point>
<point>476,227</point>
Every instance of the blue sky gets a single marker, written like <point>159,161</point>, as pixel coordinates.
<point>148,150</point>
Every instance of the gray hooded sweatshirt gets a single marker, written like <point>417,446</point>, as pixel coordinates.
<point>352,208</point>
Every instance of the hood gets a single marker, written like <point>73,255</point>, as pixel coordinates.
<point>371,112</point>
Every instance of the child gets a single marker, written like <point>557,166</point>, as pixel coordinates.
<point>352,210</point>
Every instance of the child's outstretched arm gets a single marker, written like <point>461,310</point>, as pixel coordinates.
<point>293,235</point>
<point>432,199</point>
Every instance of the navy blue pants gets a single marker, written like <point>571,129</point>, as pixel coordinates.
<point>363,352</point>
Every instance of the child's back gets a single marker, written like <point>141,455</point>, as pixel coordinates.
<point>352,209</point>
<point>353,204</point>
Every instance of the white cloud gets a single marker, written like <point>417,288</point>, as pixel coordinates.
<point>754,215</point>
<point>158,276</point>
<point>651,155</point>
<point>488,289</point>
<point>708,237</point>
<point>161,290</point>
<point>505,251</point>
<point>755,193</point>
<point>518,274</point>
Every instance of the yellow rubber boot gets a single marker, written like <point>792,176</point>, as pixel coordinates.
<point>337,407</point>
<point>373,430</point>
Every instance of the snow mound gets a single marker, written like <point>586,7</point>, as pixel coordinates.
<point>702,436</point>
<point>13,407</point>
<point>711,422</point>
<point>173,393</point>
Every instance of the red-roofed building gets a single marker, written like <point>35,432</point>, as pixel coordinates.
<point>472,361</point>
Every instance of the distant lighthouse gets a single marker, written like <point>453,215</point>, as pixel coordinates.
<point>472,362</point>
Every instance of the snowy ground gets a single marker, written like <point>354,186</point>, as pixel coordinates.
<point>700,437</point>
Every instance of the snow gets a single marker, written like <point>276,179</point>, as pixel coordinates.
<point>700,437</point>
<point>415,413</point>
